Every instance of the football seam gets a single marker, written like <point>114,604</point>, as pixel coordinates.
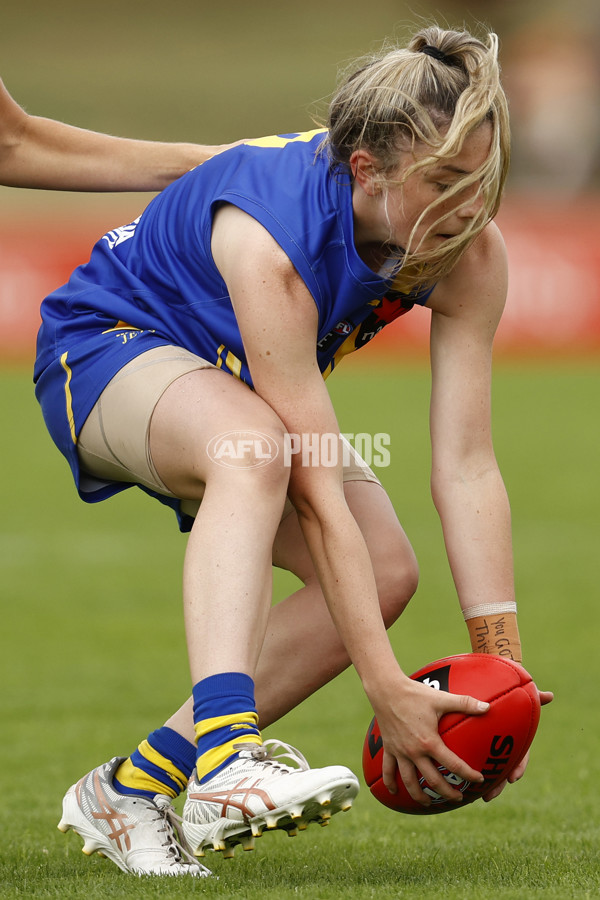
<point>496,697</point>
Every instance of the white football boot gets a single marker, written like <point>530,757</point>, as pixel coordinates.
<point>258,792</point>
<point>140,835</point>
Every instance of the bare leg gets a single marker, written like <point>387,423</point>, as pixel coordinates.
<point>227,573</point>
<point>302,650</point>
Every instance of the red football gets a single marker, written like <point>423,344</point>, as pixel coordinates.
<point>493,743</point>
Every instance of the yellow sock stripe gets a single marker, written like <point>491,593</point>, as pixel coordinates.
<point>138,780</point>
<point>217,755</point>
<point>153,756</point>
<point>68,397</point>
<point>132,776</point>
<point>243,720</point>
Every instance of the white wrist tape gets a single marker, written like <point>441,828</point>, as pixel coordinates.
<point>490,609</point>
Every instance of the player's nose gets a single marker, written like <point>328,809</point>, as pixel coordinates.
<point>472,202</point>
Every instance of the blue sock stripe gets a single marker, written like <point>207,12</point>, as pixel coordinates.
<point>174,747</point>
<point>222,695</point>
<point>227,683</point>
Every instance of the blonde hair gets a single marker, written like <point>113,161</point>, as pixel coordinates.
<point>434,99</point>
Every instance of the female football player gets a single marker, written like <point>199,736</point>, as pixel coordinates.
<point>188,358</point>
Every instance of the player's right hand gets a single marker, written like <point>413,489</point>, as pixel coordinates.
<point>408,720</point>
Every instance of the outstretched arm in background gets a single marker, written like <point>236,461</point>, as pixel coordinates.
<point>42,153</point>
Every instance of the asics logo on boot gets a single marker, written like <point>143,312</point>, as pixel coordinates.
<point>236,797</point>
<point>114,819</point>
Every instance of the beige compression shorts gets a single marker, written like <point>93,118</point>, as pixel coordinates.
<point>114,442</point>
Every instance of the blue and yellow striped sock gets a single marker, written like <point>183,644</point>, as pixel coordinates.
<point>162,764</point>
<point>224,715</point>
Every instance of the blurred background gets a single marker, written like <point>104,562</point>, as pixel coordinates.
<point>206,72</point>
<point>75,578</point>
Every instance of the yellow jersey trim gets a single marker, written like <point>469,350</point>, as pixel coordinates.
<point>277,140</point>
<point>121,326</point>
<point>68,397</point>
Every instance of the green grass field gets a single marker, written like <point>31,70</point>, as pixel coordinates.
<point>93,658</point>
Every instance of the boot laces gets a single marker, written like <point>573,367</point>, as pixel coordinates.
<point>177,848</point>
<point>265,754</point>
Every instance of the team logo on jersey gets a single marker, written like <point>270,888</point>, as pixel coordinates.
<point>118,235</point>
<point>389,308</point>
<point>343,328</point>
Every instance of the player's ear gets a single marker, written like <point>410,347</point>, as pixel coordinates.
<point>366,172</point>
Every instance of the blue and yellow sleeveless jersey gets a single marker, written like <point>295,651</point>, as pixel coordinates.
<point>154,281</point>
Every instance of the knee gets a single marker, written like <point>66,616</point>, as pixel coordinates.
<point>245,466</point>
<point>269,462</point>
<point>255,458</point>
<point>397,578</point>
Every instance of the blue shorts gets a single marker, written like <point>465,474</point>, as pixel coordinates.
<point>69,387</point>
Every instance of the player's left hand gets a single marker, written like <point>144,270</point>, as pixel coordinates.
<point>519,770</point>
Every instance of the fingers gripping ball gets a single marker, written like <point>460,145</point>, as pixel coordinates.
<point>493,743</point>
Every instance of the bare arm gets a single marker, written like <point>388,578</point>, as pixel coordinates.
<point>467,487</point>
<point>42,153</point>
<point>278,322</point>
